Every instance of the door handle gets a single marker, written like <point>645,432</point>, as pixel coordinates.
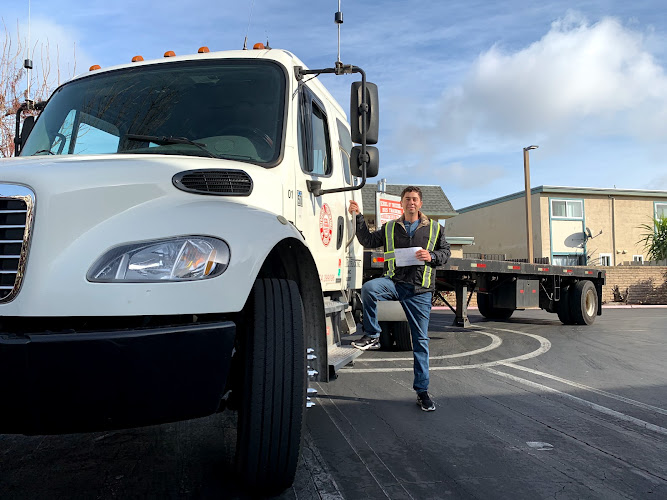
<point>339,240</point>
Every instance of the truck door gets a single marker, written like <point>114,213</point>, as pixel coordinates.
<point>322,220</point>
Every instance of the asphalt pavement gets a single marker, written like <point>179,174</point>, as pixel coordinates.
<point>526,408</point>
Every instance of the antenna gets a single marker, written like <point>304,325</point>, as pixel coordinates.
<point>27,63</point>
<point>245,41</point>
<point>338,19</point>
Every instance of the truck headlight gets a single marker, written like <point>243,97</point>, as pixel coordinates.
<point>178,259</point>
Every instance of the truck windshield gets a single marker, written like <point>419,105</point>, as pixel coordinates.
<point>230,108</point>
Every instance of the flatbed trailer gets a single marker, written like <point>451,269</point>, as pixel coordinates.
<point>574,293</point>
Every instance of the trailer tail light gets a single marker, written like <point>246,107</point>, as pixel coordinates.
<point>378,260</point>
<point>513,267</point>
<point>477,265</point>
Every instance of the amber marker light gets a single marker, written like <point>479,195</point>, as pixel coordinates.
<point>169,53</point>
<point>94,67</point>
<point>258,46</point>
<point>203,50</point>
<point>137,58</point>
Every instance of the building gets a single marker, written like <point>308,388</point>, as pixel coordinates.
<point>571,225</point>
<point>436,206</point>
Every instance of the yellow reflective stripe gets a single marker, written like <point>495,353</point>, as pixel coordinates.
<point>389,254</point>
<point>428,270</point>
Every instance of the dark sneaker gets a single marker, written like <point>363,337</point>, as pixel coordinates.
<point>424,401</point>
<point>367,343</point>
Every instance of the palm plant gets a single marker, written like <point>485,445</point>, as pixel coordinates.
<point>655,238</point>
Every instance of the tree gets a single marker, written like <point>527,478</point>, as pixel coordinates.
<point>655,238</point>
<point>13,83</point>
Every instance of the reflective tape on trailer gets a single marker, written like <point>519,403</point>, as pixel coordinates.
<point>474,264</point>
<point>513,267</point>
<point>543,269</point>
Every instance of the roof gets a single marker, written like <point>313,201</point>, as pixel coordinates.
<point>436,204</point>
<point>565,190</point>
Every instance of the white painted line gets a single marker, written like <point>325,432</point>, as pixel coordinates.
<point>633,402</point>
<point>589,404</point>
<point>545,345</point>
<point>495,342</point>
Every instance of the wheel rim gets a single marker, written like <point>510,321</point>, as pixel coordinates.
<point>590,303</point>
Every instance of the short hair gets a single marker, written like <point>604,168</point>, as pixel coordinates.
<point>412,189</point>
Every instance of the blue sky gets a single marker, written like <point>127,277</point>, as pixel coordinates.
<point>464,85</point>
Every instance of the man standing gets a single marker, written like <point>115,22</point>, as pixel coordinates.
<point>412,285</point>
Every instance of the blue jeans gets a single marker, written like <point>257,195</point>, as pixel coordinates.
<point>417,309</point>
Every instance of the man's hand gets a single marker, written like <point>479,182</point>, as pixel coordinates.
<point>354,207</point>
<point>424,255</point>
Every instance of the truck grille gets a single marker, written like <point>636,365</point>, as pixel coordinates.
<point>16,215</point>
<point>214,181</point>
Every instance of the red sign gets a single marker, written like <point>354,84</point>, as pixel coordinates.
<point>388,208</point>
<point>326,224</point>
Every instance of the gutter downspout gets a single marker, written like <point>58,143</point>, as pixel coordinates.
<point>613,230</point>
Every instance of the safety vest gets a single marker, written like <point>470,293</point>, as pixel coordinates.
<point>390,254</point>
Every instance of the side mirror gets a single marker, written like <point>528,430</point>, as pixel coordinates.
<point>372,166</point>
<point>28,124</point>
<point>372,116</point>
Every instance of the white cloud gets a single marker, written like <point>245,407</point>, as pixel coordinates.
<point>597,76</point>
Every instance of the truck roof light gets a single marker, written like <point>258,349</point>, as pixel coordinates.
<point>169,53</point>
<point>203,50</point>
<point>137,58</point>
<point>94,67</point>
<point>258,46</point>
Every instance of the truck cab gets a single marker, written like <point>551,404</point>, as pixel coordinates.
<point>176,242</point>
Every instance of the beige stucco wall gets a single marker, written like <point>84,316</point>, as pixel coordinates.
<point>500,228</point>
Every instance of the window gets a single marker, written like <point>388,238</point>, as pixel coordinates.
<point>313,131</point>
<point>637,258</point>
<point>568,260</point>
<point>567,209</point>
<point>660,210</point>
<point>605,259</point>
<point>345,143</point>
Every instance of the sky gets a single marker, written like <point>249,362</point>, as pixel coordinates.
<point>464,85</point>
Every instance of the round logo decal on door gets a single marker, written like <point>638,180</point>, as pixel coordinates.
<point>326,224</point>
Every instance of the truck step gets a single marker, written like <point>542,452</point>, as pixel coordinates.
<point>341,356</point>
<point>332,306</point>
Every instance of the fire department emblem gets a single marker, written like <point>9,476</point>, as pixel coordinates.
<point>326,224</point>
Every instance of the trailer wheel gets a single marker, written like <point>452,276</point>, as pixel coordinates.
<point>563,308</point>
<point>583,303</point>
<point>402,335</point>
<point>273,388</point>
<point>490,312</point>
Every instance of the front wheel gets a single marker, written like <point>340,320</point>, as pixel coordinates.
<point>273,388</point>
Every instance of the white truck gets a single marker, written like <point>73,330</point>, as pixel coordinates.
<point>175,241</point>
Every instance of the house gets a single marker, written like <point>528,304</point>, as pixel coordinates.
<point>571,225</point>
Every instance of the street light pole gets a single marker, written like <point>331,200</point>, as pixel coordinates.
<point>529,215</point>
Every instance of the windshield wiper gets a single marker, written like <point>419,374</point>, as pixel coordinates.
<point>165,140</point>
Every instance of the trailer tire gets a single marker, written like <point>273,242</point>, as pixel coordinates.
<point>402,335</point>
<point>273,387</point>
<point>563,309</point>
<point>583,303</point>
<point>490,312</point>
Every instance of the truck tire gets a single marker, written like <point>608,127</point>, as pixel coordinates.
<point>402,335</point>
<point>490,312</point>
<point>563,308</point>
<point>583,303</point>
<point>386,336</point>
<point>273,388</point>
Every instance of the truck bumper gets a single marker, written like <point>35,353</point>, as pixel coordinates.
<point>82,382</point>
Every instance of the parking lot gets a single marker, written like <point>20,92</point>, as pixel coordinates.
<point>527,408</point>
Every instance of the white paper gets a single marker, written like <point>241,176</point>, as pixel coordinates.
<point>407,257</point>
